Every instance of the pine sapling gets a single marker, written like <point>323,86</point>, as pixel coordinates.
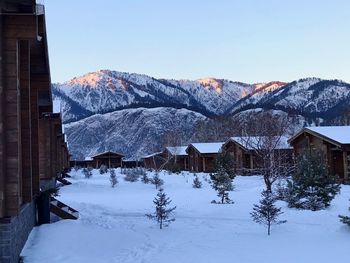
<point>266,213</point>
<point>222,183</point>
<point>113,178</point>
<point>157,181</point>
<point>144,178</point>
<point>196,182</point>
<point>162,214</point>
<point>345,219</point>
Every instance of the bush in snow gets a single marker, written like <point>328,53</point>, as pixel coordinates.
<point>131,175</point>
<point>145,179</point>
<point>90,168</point>
<point>87,173</point>
<point>162,215</point>
<point>103,169</point>
<point>76,168</point>
<point>113,178</point>
<point>196,182</point>
<point>266,212</point>
<point>311,186</point>
<point>345,219</point>
<point>156,180</point>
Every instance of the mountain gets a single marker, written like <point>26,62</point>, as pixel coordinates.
<point>133,132</point>
<point>311,98</point>
<point>131,112</point>
<point>105,91</point>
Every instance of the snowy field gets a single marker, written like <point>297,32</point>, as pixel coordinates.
<point>113,228</point>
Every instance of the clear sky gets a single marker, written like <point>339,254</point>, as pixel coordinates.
<point>241,40</point>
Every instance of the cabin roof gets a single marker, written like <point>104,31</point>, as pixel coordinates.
<point>254,142</point>
<point>88,158</point>
<point>107,152</point>
<point>335,134</point>
<point>177,150</point>
<point>152,154</point>
<point>207,147</point>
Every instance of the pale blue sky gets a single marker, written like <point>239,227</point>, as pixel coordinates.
<point>241,40</point>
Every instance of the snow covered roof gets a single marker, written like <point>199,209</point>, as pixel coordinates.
<point>107,153</point>
<point>208,147</point>
<point>151,155</point>
<point>340,134</point>
<point>255,142</point>
<point>177,150</point>
<point>88,158</point>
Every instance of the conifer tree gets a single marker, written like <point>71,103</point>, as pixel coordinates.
<point>222,179</point>
<point>157,181</point>
<point>196,182</point>
<point>311,187</point>
<point>345,219</point>
<point>162,214</point>
<point>113,178</point>
<point>266,213</point>
<point>144,178</point>
<point>222,183</point>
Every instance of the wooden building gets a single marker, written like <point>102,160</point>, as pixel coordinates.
<point>177,157</point>
<point>245,151</point>
<point>109,158</point>
<point>332,141</point>
<point>201,156</point>
<point>154,161</point>
<point>32,146</point>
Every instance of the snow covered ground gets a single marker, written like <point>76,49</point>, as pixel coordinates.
<point>113,228</point>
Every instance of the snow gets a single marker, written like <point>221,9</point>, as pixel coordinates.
<point>339,134</point>
<point>152,154</point>
<point>112,226</point>
<point>180,150</point>
<point>208,147</point>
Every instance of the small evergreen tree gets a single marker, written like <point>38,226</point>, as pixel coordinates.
<point>222,179</point>
<point>345,219</point>
<point>162,215</point>
<point>196,182</point>
<point>145,179</point>
<point>266,213</point>
<point>131,175</point>
<point>156,180</point>
<point>311,186</point>
<point>113,178</point>
<point>222,183</point>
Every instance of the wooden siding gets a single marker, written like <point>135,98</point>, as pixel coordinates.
<point>25,92</point>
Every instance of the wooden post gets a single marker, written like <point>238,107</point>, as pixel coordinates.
<point>203,164</point>
<point>345,161</point>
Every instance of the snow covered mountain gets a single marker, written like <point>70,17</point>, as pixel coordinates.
<point>133,132</point>
<point>311,97</point>
<point>105,91</point>
<point>130,112</point>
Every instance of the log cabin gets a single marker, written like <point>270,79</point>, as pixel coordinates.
<point>177,156</point>
<point>109,158</point>
<point>32,146</point>
<point>202,156</point>
<point>154,160</point>
<point>332,141</point>
<point>245,151</point>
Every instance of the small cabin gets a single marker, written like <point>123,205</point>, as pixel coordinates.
<point>245,151</point>
<point>177,157</point>
<point>109,158</point>
<point>154,161</point>
<point>332,141</point>
<point>202,156</point>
